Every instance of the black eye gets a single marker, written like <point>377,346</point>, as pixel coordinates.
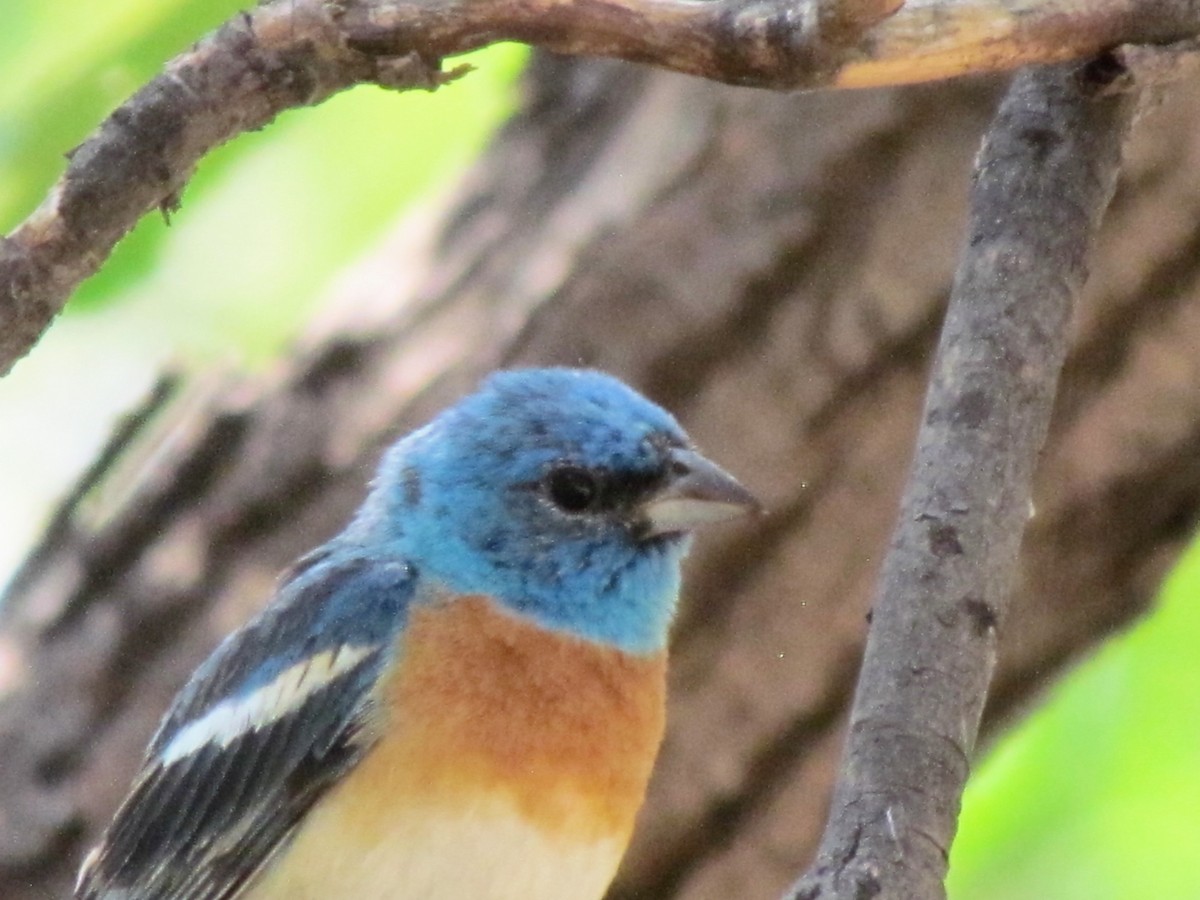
<point>572,489</point>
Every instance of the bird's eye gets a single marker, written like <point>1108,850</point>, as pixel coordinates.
<point>572,489</point>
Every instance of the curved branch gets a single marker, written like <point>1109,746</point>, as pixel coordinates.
<point>1042,182</point>
<point>290,53</point>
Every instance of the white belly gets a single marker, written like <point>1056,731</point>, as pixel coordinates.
<point>428,855</point>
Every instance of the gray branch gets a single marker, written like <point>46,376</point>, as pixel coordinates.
<point>1042,181</point>
<point>290,53</point>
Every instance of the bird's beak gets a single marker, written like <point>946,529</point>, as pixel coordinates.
<point>696,493</point>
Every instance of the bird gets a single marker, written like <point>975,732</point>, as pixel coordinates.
<point>462,693</point>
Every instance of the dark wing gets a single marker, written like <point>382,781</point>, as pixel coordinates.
<point>273,719</point>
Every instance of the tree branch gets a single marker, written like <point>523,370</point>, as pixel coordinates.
<point>291,53</point>
<point>1043,179</point>
<point>844,22</point>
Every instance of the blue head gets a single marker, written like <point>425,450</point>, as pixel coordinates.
<point>562,493</point>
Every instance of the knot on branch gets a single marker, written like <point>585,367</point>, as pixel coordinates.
<point>1146,68</point>
<point>756,41</point>
<point>415,71</point>
<point>843,22</point>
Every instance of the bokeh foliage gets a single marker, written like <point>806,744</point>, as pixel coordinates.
<point>325,180</point>
<point>267,221</point>
<point>1095,796</point>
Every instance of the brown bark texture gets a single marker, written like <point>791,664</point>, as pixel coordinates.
<point>773,268</point>
<point>1041,183</point>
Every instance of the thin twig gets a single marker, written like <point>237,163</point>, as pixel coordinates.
<point>1042,181</point>
<point>290,53</point>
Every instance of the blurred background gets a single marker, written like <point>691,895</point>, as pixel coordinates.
<point>1094,794</point>
<point>271,220</point>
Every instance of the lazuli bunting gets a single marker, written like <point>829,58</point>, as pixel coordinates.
<point>460,695</point>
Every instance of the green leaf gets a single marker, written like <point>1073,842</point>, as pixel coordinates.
<point>1095,797</point>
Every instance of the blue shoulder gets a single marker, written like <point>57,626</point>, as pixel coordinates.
<point>275,717</point>
<point>330,600</point>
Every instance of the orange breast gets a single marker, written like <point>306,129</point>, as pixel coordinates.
<point>486,705</point>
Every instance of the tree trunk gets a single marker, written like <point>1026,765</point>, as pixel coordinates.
<point>770,267</point>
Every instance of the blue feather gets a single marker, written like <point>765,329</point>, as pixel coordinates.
<point>533,491</point>
<point>464,497</point>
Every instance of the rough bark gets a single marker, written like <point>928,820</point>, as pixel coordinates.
<point>1041,184</point>
<point>773,268</point>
